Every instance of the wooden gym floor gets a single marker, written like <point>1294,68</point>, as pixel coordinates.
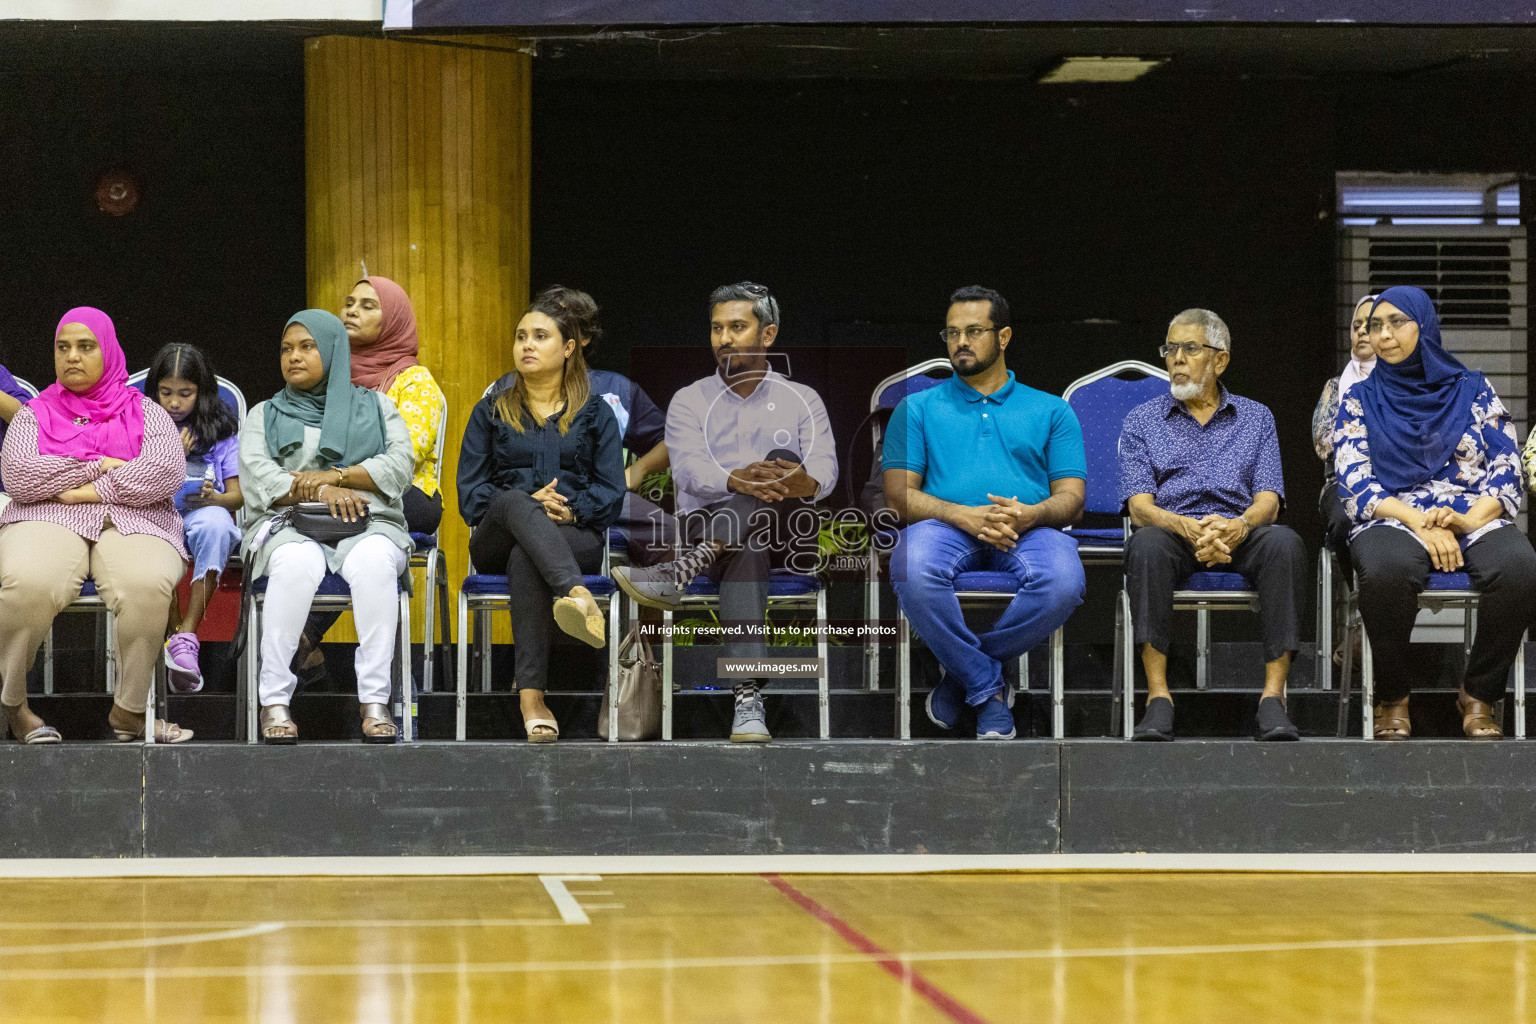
<point>967,948</point>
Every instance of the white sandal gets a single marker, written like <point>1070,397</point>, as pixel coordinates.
<point>531,724</point>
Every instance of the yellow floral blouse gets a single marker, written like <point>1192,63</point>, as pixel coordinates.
<point>419,400</point>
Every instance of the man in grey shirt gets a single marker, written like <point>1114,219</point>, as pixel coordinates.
<point>748,448</point>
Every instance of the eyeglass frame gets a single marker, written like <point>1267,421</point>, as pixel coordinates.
<point>1394,323</point>
<point>1187,347</point>
<point>981,332</point>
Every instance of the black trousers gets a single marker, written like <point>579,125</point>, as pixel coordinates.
<point>1393,566</point>
<point>649,529</point>
<point>541,561</point>
<point>1336,520</point>
<point>423,514</point>
<point>756,535</point>
<point>1273,558</point>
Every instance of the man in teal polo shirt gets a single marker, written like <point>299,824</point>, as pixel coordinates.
<point>985,471</point>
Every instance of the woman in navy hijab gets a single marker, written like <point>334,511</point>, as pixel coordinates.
<point>1429,473</point>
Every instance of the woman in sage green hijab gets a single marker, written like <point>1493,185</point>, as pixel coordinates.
<point>323,438</point>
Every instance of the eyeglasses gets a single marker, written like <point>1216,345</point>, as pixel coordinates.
<point>1187,349</point>
<point>1391,323</point>
<point>972,333</point>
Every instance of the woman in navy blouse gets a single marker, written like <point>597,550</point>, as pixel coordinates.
<point>541,478</point>
<point>649,530</point>
<point>1430,476</point>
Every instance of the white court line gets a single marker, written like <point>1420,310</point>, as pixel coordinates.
<point>460,922</point>
<point>787,864</point>
<point>719,962</point>
<point>265,928</point>
<point>571,911</point>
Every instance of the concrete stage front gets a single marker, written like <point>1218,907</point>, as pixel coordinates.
<point>791,797</point>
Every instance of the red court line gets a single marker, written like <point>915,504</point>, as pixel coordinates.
<point>904,973</point>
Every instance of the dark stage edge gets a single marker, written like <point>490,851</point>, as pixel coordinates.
<point>807,797</point>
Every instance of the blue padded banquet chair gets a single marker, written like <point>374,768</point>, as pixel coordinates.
<point>483,593</point>
<point>972,589</point>
<point>332,594</point>
<point>785,590</point>
<point>1101,400</point>
<point>429,557</point>
<point>1443,591</point>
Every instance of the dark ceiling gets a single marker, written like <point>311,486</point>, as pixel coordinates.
<point>806,52</point>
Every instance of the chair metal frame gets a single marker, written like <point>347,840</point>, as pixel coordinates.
<point>872,574</point>
<point>1056,674</point>
<point>138,378</point>
<point>1428,600</point>
<point>89,603</point>
<point>903,713</point>
<point>816,601</point>
<point>1322,672</point>
<point>435,562</point>
<point>93,604</point>
<point>1201,602</point>
<point>482,605</point>
<point>250,678</point>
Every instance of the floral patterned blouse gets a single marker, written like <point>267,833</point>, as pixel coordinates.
<point>418,398</point>
<point>1486,465</point>
<point>1529,458</point>
<point>1323,417</point>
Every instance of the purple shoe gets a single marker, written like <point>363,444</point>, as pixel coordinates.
<point>181,667</point>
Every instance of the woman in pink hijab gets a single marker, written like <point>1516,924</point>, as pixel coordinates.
<point>92,467</point>
<point>381,329</point>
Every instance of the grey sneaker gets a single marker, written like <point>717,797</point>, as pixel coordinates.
<point>653,587</point>
<point>750,724</point>
<point>662,586</point>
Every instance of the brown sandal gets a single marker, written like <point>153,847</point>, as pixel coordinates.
<point>1477,718</point>
<point>378,723</point>
<point>1391,720</point>
<point>277,726</point>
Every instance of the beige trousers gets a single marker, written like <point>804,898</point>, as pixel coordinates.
<point>41,568</point>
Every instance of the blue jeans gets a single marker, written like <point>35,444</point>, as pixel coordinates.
<point>1050,581</point>
<point>211,535</point>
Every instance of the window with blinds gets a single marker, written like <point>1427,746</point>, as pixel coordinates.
<point>1458,238</point>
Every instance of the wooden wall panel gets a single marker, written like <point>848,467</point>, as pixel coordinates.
<point>417,164</point>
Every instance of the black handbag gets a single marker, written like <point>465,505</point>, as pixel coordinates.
<point>313,519</point>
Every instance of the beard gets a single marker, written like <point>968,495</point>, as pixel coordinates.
<point>735,362</point>
<point>983,363</point>
<point>1185,392</point>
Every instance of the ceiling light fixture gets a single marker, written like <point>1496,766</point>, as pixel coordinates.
<point>1101,69</point>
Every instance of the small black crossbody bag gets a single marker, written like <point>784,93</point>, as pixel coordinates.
<point>314,520</point>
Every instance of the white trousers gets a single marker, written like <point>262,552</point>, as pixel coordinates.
<point>372,570</point>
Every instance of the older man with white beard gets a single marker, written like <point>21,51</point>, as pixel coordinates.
<point>1200,473</point>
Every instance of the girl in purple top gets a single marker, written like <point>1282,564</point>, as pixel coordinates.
<point>184,385</point>
<point>12,397</point>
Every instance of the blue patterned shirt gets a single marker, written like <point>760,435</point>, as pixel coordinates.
<point>1196,471</point>
<point>1486,465</point>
